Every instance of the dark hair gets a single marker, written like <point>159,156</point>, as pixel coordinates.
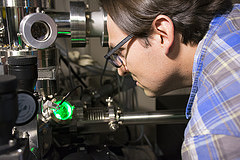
<point>191,18</point>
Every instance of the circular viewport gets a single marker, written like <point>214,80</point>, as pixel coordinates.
<point>40,31</point>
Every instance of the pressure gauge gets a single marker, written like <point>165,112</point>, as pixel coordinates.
<point>27,107</point>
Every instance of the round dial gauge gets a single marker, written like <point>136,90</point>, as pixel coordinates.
<point>27,107</point>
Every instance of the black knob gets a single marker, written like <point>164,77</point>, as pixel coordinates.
<point>8,106</point>
<point>25,69</point>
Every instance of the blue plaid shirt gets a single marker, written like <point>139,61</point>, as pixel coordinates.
<point>213,131</point>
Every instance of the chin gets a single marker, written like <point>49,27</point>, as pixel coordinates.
<point>149,93</point>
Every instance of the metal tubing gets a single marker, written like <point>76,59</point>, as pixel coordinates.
<point>155,117</point>
<point>78,24</point>
<point>62,19</point>
<point>50,4</point>
<point>13,17</point>
<point>101,115</point>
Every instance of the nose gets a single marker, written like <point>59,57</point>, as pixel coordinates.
<point>123,70</point>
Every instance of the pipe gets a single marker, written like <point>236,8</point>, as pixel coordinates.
<point>62,19</point>
<point>154,117</point>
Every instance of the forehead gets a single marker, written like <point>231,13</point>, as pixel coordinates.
<point>115,34</point>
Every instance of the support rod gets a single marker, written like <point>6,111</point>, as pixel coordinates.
<point>154,117</point>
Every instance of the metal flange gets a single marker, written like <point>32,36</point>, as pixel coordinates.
<point>38,30</point>
<point>78,24</point>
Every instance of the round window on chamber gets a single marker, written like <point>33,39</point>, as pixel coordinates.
<point>40,31</point>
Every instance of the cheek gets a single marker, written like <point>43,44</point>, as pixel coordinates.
<point>147,68</point>
<point>142,62</point>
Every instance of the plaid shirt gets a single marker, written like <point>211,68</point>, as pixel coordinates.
<point>213,131</point>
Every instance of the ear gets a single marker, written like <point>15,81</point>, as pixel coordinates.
<point>163,28</point>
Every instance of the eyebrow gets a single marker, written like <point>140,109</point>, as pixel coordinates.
<point>121,48</point>
<point>111,46</point>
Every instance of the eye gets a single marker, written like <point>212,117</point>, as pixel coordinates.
<point>119,52</point>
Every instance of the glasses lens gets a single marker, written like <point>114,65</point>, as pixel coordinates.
<point>115,60</point>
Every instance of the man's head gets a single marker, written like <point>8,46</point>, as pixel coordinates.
<point>190,17</point>
<point>166,33</point>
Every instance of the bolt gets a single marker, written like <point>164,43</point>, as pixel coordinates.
<point>87,6</point>
<point>113,126</point>
<point>19,34</point>
<point>88,16</point>
<point>11,142</point>
<point>51,96</point>
<point>37,10</point>
<point>109,101</point>
<point>26,135</point>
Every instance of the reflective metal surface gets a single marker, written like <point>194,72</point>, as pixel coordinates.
<point>38,30</point>
<point>62,19</point>
<point>106,115</point>
<point>105,33</point>
<point>47,66</point>
<point>23,52</point>
<point>97,26</point>
<point>78,24</point>
<point>13,17</point>
<point>2,27</point>
<point>12,3</point>
<point>50,4</point>
<point>156,117</point>
<point>47,57</point>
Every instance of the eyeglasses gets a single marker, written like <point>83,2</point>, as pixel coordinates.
<point>114,57</point>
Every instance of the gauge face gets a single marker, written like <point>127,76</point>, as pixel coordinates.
<point>27,108</point>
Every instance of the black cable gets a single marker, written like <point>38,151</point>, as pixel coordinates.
<point>68,94</point>
<point>70,76</point>
<point>72,70</point>
<point>104,69</point>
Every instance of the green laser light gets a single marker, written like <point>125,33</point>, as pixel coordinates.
<point>64,111</point>
<point>32,149</point>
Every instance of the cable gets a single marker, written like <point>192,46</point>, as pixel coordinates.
<point>74,73</point>
<point>148,142</point>
<point>68,94</point>
<point>63,53</point>
<point>104,69</point>
<point>113,156</point>
<point>140,136</point>
<point>70,76</point>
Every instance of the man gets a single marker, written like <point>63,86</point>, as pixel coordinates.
<point>171,44</point>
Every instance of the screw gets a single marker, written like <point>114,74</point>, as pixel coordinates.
<point>113,126</point>
<point>109,101</point>
<point>87,6</point>
<point>88,16</point>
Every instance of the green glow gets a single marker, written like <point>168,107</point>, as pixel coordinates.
<point>79,39</point>
<point>19,41</point>
<point>64,111</point>
<point>64,32</point>
<point>32,149</point>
